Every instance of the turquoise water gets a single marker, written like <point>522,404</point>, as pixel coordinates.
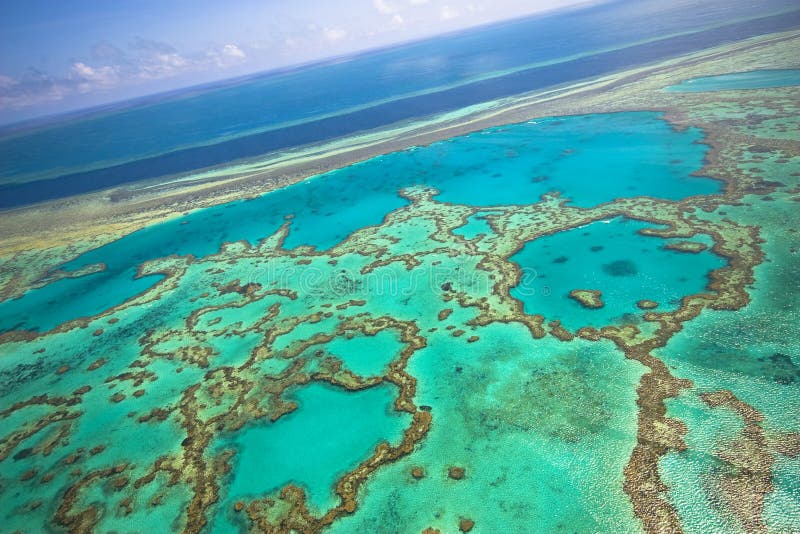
<point>475,226</point>
<point>755,353</point>
<point>588,159</point>
<point>610,256</point>
<point>366,355</point>
<point>754,79</point>
<point>329,434</point>
<point>543,428</point>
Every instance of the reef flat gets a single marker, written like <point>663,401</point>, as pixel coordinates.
<point>402,353</point>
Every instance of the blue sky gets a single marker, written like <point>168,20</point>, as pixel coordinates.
<point>61,55</point>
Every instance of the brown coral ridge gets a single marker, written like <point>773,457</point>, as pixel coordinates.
<point>751,456</point>
<point>85,519</point>
<point>647,304</point>
<point>456,472</point>
<point>559,332</point>
<point>61,416</point>
<point>588,298</point>
<point>693,247</point>
<point>656,435</point>
<point>743,490</point>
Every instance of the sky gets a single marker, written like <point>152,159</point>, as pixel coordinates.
<point>58,55</point>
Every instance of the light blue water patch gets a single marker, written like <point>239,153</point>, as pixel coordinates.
<point>475,226</point>
<point>754,79</point>
<point>71,298</point>
<point>330,432</point>
<point>589,159</point>
<point>366,355</point>
<point>612,257</point>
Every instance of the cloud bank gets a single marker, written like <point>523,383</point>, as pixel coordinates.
<point>110,67</point>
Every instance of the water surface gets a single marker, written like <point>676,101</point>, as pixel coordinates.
<point>754,79</point>
<point>286,110</point>
<point>587,159</point>
<point>613,257</point>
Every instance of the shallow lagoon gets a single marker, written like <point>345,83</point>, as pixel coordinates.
<point>610,256</point>
<point>331,431</point>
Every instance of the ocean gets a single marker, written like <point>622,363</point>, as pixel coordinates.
<point>565,324</point>
<point>204,127</point>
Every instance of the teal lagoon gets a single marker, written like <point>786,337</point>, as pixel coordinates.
<point>366,355</point>
<point>613,257</point>
<point>330,432</point>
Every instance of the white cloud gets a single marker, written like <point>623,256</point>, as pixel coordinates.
<point>397,19</point>
<point>35,87</point>
<point>83,70</point>
<point>334,34</point>
<point>226,56</point>
<point>145,61</point>
<point>232,50</point>
<point>384,7</point>
<point>7,81</point>
<point>161,65</point>
<point>447,13</point>
<point>89,78</point>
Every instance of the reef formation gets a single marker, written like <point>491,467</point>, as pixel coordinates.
<point>140,414</point>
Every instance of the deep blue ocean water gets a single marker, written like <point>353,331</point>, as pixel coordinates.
<point>205,127</point>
